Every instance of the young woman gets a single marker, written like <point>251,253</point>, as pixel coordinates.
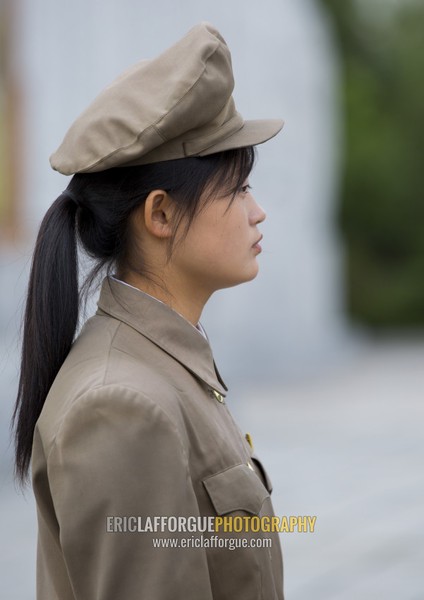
<point>135,457</point>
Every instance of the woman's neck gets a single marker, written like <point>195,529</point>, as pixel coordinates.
<point>179,296</point>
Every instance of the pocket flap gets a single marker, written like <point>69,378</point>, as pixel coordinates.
<point>236,488</point>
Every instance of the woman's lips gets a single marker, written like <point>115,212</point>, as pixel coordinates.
<point>257,246</point>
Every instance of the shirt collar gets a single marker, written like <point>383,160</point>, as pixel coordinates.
<point>163,326</point>
<point>198,327</point>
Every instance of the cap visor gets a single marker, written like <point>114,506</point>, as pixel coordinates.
<point>251,134</point>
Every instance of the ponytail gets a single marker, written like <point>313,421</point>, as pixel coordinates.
<point>50,320</point>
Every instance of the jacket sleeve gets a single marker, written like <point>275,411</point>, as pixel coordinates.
<point>118,454</point>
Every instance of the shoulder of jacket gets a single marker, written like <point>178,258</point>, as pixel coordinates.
<point>118,409</point>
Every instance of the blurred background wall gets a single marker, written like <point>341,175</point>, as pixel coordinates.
<point>343,250</point>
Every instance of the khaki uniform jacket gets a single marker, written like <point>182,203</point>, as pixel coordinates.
<point>136,425</point>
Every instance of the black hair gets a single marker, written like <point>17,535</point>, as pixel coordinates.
<point>94,213</point>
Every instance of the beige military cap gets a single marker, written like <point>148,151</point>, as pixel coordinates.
<point>173,106</point>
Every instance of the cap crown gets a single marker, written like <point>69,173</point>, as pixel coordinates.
<point>175,105</point>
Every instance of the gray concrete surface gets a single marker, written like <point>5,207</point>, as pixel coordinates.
<point>348,447</point>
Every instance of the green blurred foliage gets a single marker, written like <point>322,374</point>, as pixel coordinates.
<point>382,205</point>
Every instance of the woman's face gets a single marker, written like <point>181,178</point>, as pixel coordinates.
<point>222,244</point>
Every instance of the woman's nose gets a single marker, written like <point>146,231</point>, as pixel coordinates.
<point>258,214</point>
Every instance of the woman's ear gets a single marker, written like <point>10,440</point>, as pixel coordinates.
<point>158,211</point>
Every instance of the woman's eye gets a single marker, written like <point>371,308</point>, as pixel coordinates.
<point>245,189</point>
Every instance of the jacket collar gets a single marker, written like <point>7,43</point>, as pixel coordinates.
<point>164,327</point>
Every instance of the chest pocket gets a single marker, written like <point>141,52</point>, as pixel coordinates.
<point>236,488</point>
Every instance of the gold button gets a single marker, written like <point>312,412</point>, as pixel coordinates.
<point>218,396</point>
<point>249,440</point>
